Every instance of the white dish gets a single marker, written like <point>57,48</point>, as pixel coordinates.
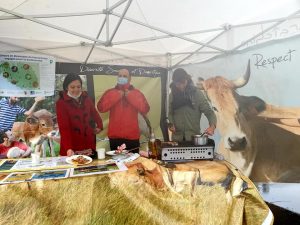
<point>72,160</point>
<point>112,153</point>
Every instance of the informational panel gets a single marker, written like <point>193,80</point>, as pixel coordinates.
<point>258,121</point>
<point>26,75</point>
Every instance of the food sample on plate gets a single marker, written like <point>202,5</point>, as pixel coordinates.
<point>121,149</point>
<point>80,160</point>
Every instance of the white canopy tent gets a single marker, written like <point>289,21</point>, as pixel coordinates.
<point>169,33</point>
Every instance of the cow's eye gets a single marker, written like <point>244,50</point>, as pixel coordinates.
<point>215,109</point>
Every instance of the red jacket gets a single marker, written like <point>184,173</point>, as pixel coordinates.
<point>4,149</point>
<point>76,123</point>
<point>123,116</point>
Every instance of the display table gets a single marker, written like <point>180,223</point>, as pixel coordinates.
<point>198,192</point>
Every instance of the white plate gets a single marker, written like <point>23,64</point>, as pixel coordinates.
<point>71,159</point>
<point>114,153</point>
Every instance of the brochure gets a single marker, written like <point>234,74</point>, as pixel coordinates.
<point>7,164</point>
<point>17,178</point>
<point>98,169</point>
<point>50,174</point>
<point>45,163</point>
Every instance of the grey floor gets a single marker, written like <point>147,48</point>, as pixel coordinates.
<point>285,195</point>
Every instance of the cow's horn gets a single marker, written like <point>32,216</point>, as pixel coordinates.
<point>242,81</point>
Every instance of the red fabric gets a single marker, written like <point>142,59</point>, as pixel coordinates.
<point>4,149</point>
<point>75,122</point>
<point>123,116</point>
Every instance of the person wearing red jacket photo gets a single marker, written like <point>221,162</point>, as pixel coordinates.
<point>123,102</point>
<point>78,119</point>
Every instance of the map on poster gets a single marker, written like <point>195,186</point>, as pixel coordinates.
<point>26,75</point>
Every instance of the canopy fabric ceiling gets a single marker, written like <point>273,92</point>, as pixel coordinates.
<point>168,33</point>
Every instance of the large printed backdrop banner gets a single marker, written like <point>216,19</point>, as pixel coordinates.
<point>149,80</point>
<point>258,120</point>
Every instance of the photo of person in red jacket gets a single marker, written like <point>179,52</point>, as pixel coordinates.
<point>123,102</point>
<point>78,119</point>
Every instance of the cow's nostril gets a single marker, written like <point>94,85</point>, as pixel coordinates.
<point>237,143</point>
<point>243,142</point>
<point>231,143</point>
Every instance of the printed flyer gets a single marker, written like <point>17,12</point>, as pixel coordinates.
<point>98,169</point>
<point>50,174</point>
<point>7,164</point>
<point>17,178</point>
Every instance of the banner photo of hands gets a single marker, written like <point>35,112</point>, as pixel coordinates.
<point>131,101</point>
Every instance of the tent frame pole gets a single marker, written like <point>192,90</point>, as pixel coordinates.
<point>103,23</point>
<point>39,51</point>
<point>107,21</point>
<point>193,53</point>
<point>119,22</point>
<point>97,37</point>
<point>203,31</point>
<point>165,36</point>
<point>266,30</point>
<point>51,26</point>
<point>47,48</point>
<point>38,16</point>
<point>117,4</point>
<point>168,32</point>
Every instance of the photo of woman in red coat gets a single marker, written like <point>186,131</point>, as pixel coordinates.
<point>77,118</point>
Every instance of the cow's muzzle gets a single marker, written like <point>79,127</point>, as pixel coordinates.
<point>237,144</point>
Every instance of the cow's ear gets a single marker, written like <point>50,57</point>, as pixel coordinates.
<point>251,105</point>
<point>32,120</point>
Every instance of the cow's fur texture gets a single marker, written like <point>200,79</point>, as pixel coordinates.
<point>260,139</point>
<point>145,194</point>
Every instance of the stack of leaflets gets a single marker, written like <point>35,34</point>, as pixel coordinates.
<point>98,169</point>
<point>17,177</point>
